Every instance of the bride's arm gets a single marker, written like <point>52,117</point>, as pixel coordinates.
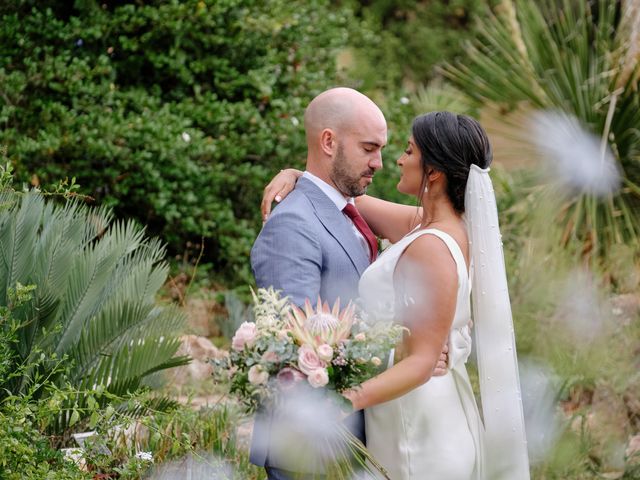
<point>426,277</point>
<point>387,219</point>
<point>279,187</point>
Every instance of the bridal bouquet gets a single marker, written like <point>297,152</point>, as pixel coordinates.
<point>320,348</point>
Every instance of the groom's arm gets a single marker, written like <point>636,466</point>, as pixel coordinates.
<point>287,256</point>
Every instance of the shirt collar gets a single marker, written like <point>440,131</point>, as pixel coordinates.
<point>335,196</point>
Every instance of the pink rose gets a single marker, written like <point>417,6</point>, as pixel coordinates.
<point>360,337</point>
<point>318,378</point>
<point>245,336</point>
<point>270,356</point>
<point>325,352</point>
<point>288,377</point>
<point>258,375</point>
<point>308,359</point>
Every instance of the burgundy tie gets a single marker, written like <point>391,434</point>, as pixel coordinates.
<point>352,212</point>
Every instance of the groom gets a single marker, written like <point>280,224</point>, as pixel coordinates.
<point>315,243</point>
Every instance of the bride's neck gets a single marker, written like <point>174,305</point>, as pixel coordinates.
<point>437,210</point>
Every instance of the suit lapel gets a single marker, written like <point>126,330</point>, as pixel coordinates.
<point>336,223</point>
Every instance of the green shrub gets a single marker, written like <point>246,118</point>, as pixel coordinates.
<point>92,310</point>
<point>25,453</point>
<point>410,38</point>
<point>173,113</point>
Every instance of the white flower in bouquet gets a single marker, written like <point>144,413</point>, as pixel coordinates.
<point>325,352</point>
<point>258,375</point>
<point>245,336</point>
<point>269,309</point>
<point>283,334</point>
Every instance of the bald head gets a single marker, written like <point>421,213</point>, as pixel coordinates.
<point>338,109</point>
<point>346,133</point>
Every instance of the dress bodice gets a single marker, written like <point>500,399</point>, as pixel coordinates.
<point>376,287</point>
<point>378,296</point>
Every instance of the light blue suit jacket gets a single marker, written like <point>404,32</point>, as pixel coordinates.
<point>307,249</point>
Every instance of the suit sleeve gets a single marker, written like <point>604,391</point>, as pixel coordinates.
<point>287,256</point>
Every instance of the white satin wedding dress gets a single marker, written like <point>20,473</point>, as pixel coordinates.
<point>434,431</point>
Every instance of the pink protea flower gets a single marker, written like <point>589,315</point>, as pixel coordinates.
<point>322,325</point>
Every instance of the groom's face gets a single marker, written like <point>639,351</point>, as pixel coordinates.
<point>358,157</point>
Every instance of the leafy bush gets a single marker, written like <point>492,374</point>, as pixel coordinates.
<point>25,453</point>
<point>124,445</point>
<point>93,309</point>
<point>410,38</point>
<point>173,113</point>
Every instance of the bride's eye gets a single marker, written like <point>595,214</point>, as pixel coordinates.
<point>408,151</point>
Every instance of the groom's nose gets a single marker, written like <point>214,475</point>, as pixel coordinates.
<point>376,162</point>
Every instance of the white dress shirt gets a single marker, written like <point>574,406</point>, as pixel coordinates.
<point>341,202</point>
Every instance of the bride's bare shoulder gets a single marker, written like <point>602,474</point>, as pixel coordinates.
<point>431,245</point>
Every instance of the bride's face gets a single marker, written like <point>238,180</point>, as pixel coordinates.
<point>411,170</point>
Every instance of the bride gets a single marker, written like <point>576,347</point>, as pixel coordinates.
<point>419,426</point>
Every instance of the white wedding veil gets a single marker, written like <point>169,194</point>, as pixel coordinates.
<point>505,442</point>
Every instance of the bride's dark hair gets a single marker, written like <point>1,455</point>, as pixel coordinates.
<point>451,143</point>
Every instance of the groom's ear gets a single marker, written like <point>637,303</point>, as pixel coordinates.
<point>327,141</point>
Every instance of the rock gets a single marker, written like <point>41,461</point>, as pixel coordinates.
<point>130,435</point>
<point>632,400</point>
<point>625,308</point>
<point>200,349</point>
<point>612,475</point>
<point>199,402</point>
<point>633,449</point>
<point>608,425</point>
<point>176,286</point>
<point>192,466</point>
<point>201,313</point>
<point>243,434</point>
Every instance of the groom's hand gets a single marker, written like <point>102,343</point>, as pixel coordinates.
<point>441,367</point>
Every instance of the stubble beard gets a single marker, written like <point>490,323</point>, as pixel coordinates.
<point>346,181</point>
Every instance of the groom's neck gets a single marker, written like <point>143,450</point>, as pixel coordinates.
<point>316,168</point>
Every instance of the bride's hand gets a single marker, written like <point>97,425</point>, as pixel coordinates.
<point>347,406</point>
<point>442,367</point>
<point>278,188</point>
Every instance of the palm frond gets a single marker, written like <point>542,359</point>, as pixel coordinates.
<point>94,303</point>
<point>562,55</point>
